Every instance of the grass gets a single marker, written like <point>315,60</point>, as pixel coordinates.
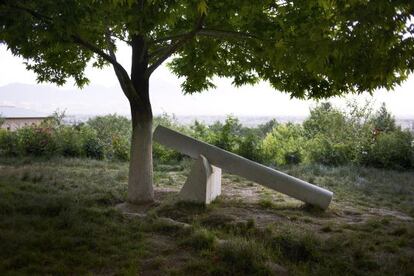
<point>58,217</point>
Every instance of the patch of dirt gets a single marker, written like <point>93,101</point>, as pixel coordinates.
<point>351,215</point>
<point>135,210</point>
<point>161,193</point>
<point>385,212</point>
<point>232,215</point>
<point>140,210</point>
<point>249,193</point>
<point>240,202</point>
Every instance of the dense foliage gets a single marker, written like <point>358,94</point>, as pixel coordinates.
<point>329,136</point>
<point>307,48</point>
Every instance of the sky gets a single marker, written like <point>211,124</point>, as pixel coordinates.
<point>166,95</point>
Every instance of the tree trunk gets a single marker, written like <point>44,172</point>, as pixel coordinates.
<point>140,188</point>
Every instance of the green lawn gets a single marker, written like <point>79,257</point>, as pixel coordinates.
<point>59,216</point>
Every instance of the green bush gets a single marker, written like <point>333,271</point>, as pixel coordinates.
<point>92,146</point>
<point>165,155</point>
<point>68,141</point>
<point>36,141</point>
<point>227,135</point>
<point>9,145</point>
<point>326,151</point>
<point>392,150</point>
<point>249,147</point>
<point>324,119</point>
<point>264,129</point>
<point>328,132</point>
<point>121,148</point>
<point>337,137</point>
<point>383,120</point>
<point>109,126</point>
<point>161,153</point>
<point>199,130</point>
<point>329,136</point>
<point>284,145</point>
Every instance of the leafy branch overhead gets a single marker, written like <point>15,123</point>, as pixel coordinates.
<point>311,49</point>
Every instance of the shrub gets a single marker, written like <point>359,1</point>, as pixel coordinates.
<point>392,150</point>
<point>36,141</point>
<point>54,121</point>
<point>9,145</point>
<point>267,127</point>
<point>326,151</point>
<point>159,152</point>
<point>110,126</point>
<point>165,155</point>
<point>249,147</point>
<point>68,141</point>
<point>227,135</point>
<point>199,130</point>
<point>293,157</point>
<point>383,120</point>
<point>92,146</point>
<point>121,148</point>
<point>284,145</point>
<point>337,137</point>
<point>324,119</point>
<point>166,120</point>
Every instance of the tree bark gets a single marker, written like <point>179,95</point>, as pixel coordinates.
<point>140,180</point>
<point>140,188</point>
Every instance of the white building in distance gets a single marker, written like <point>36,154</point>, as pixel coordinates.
<point>16,117</point>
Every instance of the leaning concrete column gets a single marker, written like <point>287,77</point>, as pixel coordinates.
<point>203,184</point>
<point>238,165</point>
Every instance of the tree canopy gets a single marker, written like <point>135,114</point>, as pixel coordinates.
<point>313,49</point>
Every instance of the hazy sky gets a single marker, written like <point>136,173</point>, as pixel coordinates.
<point>166,95</point>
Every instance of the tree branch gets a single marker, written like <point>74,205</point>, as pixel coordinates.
<point>227,34</point>
<point>168,38</point>
<point>167,53</point>
<point>120,71</point>
<point>77,39</point>
<point>86,44</point>
<point>33,13</point>
<point>123,77</point>
<point>175,46</point>
<point>120,38</point>
<point>158,51</point>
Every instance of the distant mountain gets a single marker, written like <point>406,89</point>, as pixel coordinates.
<point>91,100</point>
<point>166,97</point>
<point>252,106</point>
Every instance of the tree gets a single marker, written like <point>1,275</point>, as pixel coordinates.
<point>310,49</point>
<point>226,135</point>
<point>326,119</point>
<point>383,121</point>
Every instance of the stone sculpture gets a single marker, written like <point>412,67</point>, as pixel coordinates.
<point>204,182</point>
